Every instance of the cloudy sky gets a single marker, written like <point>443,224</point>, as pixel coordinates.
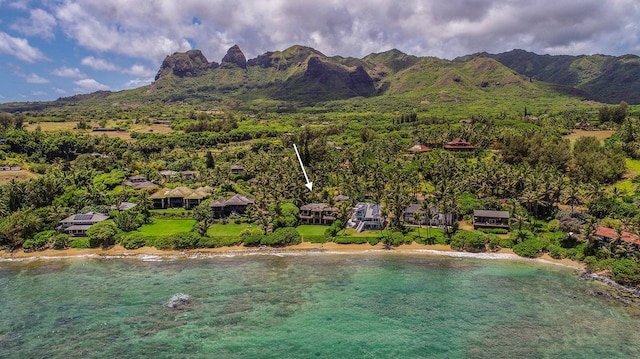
<point>54,48</point>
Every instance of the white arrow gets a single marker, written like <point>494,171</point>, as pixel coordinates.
<point>309,184</point>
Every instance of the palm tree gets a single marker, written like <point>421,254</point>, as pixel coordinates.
<point>417,217</point>
<point>572,197</point>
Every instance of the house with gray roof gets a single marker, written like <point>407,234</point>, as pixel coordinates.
<point>139,182</point>
<point>435,219</point>
<point>317,213</point>
<point>78,224</point>
<point>234,205</point>
<point>483,218</point>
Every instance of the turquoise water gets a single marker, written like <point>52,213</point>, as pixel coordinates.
<point>308,306</point>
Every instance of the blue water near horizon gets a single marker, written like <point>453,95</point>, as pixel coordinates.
<point>314,305</point>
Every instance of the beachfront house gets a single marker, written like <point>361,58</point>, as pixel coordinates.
<point>366,216</point>
<point>179,197</point>
<point>233,206</point>
<point>483,218</point>
<point>317,213</point>
<point>78,224</point>
<point>435,219</point>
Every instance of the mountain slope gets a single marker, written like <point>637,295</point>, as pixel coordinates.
<point>601,77</point>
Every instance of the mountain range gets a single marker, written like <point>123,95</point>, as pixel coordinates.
<point>305,76</point>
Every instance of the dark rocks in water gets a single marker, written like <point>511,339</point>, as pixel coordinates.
<point>179,301</point>
<point>613,291</point>
<point>186,64</point>
<point>235,57</point>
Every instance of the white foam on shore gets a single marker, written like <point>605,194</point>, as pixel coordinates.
<point>284,253</point>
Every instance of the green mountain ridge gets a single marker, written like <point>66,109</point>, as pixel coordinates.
<point>602,78</point>
<point>390,80</point>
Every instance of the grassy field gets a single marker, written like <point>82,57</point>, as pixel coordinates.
<point>600,135</point>
<point>162,227</point>
<point>51,127</point>
<point>22,175</point>
<point>625,185</point>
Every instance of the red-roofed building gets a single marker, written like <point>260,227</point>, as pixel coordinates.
<point>418,148</point>
<point>460,145</point>
<point>609,234</point>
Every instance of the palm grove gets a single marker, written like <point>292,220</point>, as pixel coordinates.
<point>550,186</point>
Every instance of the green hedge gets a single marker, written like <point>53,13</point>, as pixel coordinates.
<point>494,230</point>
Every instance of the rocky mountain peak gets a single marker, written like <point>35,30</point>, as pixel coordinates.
<point>185,64</point>
<point>235,57</point>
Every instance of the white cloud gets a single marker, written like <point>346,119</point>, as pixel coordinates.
<point>38,93</point>
<point>139,70</point>
<point>89,85</point>
<point>68,72</point>
<point>19,48</point>
<point>35,79</point>
<point>59,90</point>
<point>98,64</point>
<point>151,29</point>
<point>40,23</point>
<point>137,83</point>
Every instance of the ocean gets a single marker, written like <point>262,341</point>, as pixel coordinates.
<point>308,305</point>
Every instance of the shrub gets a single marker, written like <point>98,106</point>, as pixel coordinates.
<point>394,239</point>
<point>134,241</point>
<point>494,230</point>
<point>102,234</point>
<point>60,241</point>
<point>529,248</point>
<point>251,239</point>
<point>494,242</point>
<point>214,242</point>
<point>556,251</point>
<point>469,241</point>
<point>352,240</point>
<point>282,237</point>
<point>79,243</point>
<point>626,271</point>
<point>188,240</point>
<point>39,241</point>
<point>373,240</point>
<point>553,225</point>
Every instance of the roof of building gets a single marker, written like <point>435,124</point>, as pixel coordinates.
<point>372,210</point>
<point>124,206</point>
<point>238,200</point>
<point>611,233</point>
<point>181,192</point>
<point>419,148</point>
<point>85,217</point>
<point>490,213</point>
<point>459,143</point>
<point>237,167</point>
<point>340,197</point>
<point>317,207</point>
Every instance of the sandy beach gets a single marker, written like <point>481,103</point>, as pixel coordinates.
<point>119,251</point>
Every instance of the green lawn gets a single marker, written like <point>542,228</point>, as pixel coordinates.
<point>625,185</point>
<point>311,230</point>
<point>352,233</point>
<point>161,227</point>
<point>229,229</point>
